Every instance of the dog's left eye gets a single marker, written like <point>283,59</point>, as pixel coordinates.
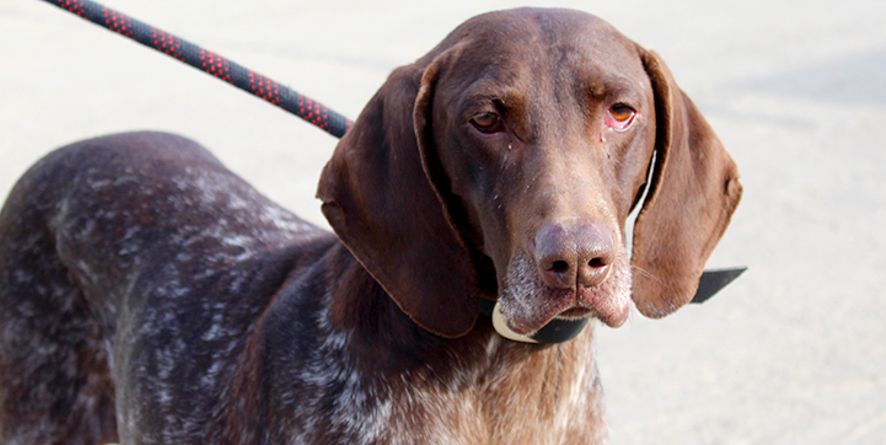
<point>620,116</point>
<point>487,122</point>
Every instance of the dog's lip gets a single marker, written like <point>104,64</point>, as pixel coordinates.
<point>567,307</point>
<point>563,308</point>
<point>575,312</point>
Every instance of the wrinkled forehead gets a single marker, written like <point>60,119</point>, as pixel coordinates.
<point>525,48</point>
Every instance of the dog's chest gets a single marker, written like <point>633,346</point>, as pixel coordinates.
<point>504,402</point>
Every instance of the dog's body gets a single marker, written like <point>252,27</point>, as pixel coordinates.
<point>213,305</point>
<point>149,295</point>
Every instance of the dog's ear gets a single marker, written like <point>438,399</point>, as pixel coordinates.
<point>381,201</point>
<point>693,191</point>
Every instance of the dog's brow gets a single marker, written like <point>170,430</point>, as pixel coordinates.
<point>610,87</point>
<point>617,82</point>
<point>510,101</point>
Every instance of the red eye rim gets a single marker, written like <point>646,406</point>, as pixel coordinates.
<point>620,116</point>
<point>487,122</point>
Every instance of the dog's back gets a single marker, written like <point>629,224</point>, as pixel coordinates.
<point>154,222</point>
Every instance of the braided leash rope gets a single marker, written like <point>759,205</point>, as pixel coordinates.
<point>211,63</point>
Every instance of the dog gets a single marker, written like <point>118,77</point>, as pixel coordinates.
<point>151,296</point>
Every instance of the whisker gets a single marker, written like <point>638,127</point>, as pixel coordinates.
<point>647,273</point>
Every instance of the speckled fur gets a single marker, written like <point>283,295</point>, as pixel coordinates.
<point>150,296</point>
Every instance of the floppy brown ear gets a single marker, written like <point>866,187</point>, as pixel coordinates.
<point>693,192</point>
<point>381,202</point>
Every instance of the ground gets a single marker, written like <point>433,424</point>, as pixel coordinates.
<point>793,352</point>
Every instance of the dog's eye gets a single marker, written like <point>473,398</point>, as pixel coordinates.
<point>487,122</point>
<point>620,116</point>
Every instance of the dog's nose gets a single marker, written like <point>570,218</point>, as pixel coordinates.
<point>567,256</point>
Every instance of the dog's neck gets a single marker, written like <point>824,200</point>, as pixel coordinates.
<point>502,379</point>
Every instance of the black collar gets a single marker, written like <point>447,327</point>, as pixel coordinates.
<point>557,331</point>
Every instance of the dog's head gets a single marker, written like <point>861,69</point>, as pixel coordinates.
<point>506,162</point>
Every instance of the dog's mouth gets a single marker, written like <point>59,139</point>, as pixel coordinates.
<point>529,305</point>
<point>575,313</point>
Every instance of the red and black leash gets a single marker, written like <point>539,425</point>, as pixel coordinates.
<point>211,63</point>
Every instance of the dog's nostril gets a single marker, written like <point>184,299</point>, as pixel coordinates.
<point>598,262</point>
<point>559,266</point>
<point>596,272</point>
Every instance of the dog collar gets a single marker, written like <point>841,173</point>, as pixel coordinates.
<point>557,330</point>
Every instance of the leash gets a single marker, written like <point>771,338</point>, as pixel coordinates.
<point>317,114</point>
<point>211,63</point>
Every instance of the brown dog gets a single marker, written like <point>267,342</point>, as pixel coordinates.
<point>150,296</point>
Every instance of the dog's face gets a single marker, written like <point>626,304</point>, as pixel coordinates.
<point>523,141</point>
<point>545,129</point>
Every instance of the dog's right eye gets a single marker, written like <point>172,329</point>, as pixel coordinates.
<point>487,122</point>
